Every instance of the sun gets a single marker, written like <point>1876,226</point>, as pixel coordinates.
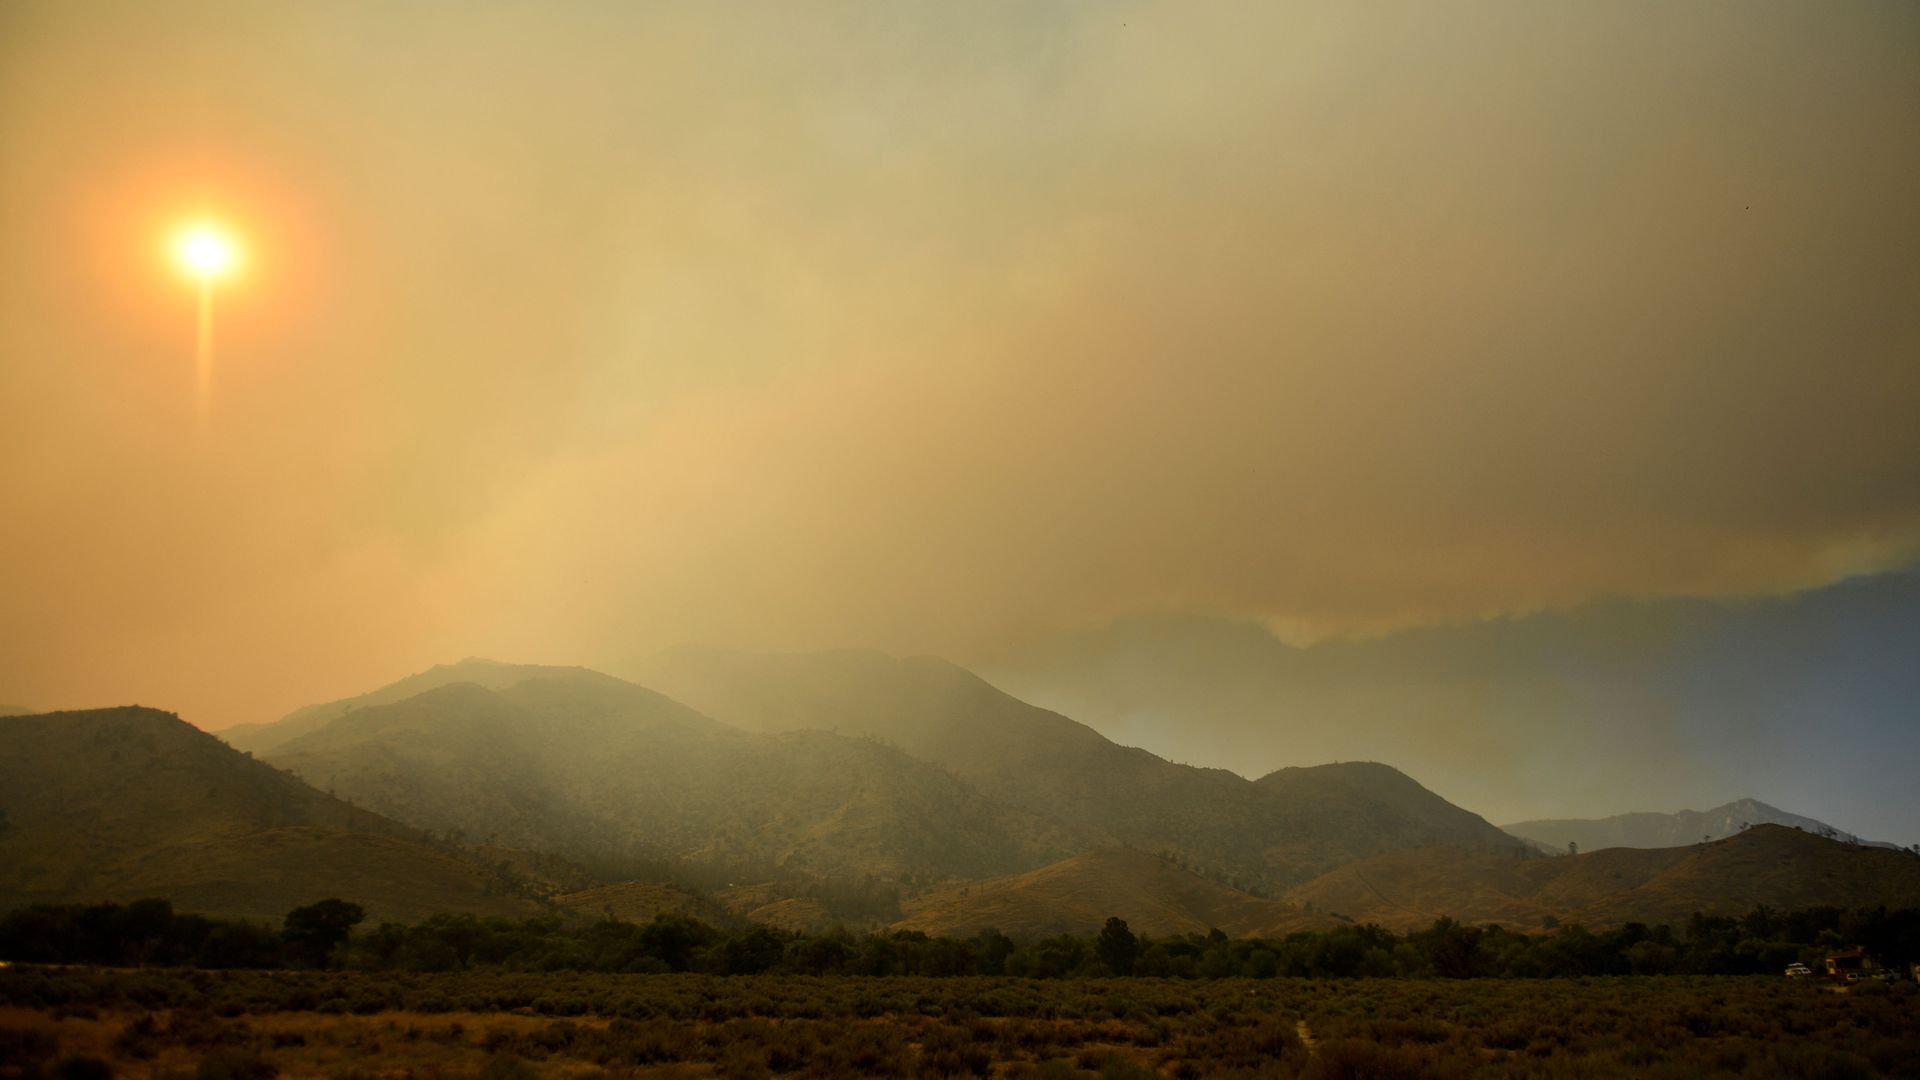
<point>206,251</point>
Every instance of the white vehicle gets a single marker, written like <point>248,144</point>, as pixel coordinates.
<point>1799,971</point>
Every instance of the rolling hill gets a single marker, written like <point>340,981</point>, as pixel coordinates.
<point>604,771</point>
<point>117,804</point>
<point>1649,830</point>
<point>1285,829</point>
<point>1364,808</point>
<point>1075,896</point>
<point>1774,865</point>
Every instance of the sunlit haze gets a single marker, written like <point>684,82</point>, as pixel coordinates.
<point>1523,395</point>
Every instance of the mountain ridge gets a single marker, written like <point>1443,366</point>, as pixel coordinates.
<point>261,738</point>
<point>1261,834</point>
<point>1621,704</point>
<point>1651,829</point>
<point>588,765</point>
<point>116,804</point>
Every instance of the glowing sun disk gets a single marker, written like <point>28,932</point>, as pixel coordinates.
<point>207,252</point>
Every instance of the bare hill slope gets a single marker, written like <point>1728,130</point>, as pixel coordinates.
<point>1773,865</point>
<point>117,804</point>
<point>1077,895</point>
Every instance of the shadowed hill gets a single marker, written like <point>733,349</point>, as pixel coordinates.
<point>262,739</point>
<point>116,804</point>
<point>1774,865</point>
<point>1075,896</point>
<point>1650,830</point>
<point>1367,807</point>
<point>1283,830</point>
<point>587,765</point>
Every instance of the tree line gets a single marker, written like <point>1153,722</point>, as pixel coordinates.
<point>330,934</point>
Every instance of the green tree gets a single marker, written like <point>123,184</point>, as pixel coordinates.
<point>1117,946</point>
<point>991,949</point>
<point>1453,949</point>
<point>673,938</point>
<point>313,932</point>
<point>753,950</point>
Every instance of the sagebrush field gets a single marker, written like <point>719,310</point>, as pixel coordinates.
<point>257,1025</point>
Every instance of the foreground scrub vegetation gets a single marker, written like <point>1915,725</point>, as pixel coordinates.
<point>330,934</point>
<point>237,1025</point>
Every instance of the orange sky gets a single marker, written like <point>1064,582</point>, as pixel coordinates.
<point>570,330</point>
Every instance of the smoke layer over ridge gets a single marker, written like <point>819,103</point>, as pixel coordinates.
<point>576,330</point>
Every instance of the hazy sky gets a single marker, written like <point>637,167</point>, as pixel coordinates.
<point>572,330</point>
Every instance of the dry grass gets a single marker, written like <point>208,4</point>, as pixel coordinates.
<point>758,1027</point>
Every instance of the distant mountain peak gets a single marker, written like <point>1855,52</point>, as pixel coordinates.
<point>476,670</point>
<point>1677,829</point>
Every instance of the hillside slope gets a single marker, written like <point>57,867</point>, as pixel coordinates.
<point>1774,865</point>
<point>1283,830</point>
<point>1366,808</point>
<point>639,902</point>
<point>117,804</point>
<point>603,770</point>
<point>1076,896</point>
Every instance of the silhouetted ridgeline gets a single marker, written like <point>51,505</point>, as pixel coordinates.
<point>327,935</point>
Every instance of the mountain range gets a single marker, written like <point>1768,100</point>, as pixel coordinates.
<point>1650,830</point>
<point>804,791</point>
<point>1263,834</point>
<point>600,770</point>
<point>1802,699</point>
